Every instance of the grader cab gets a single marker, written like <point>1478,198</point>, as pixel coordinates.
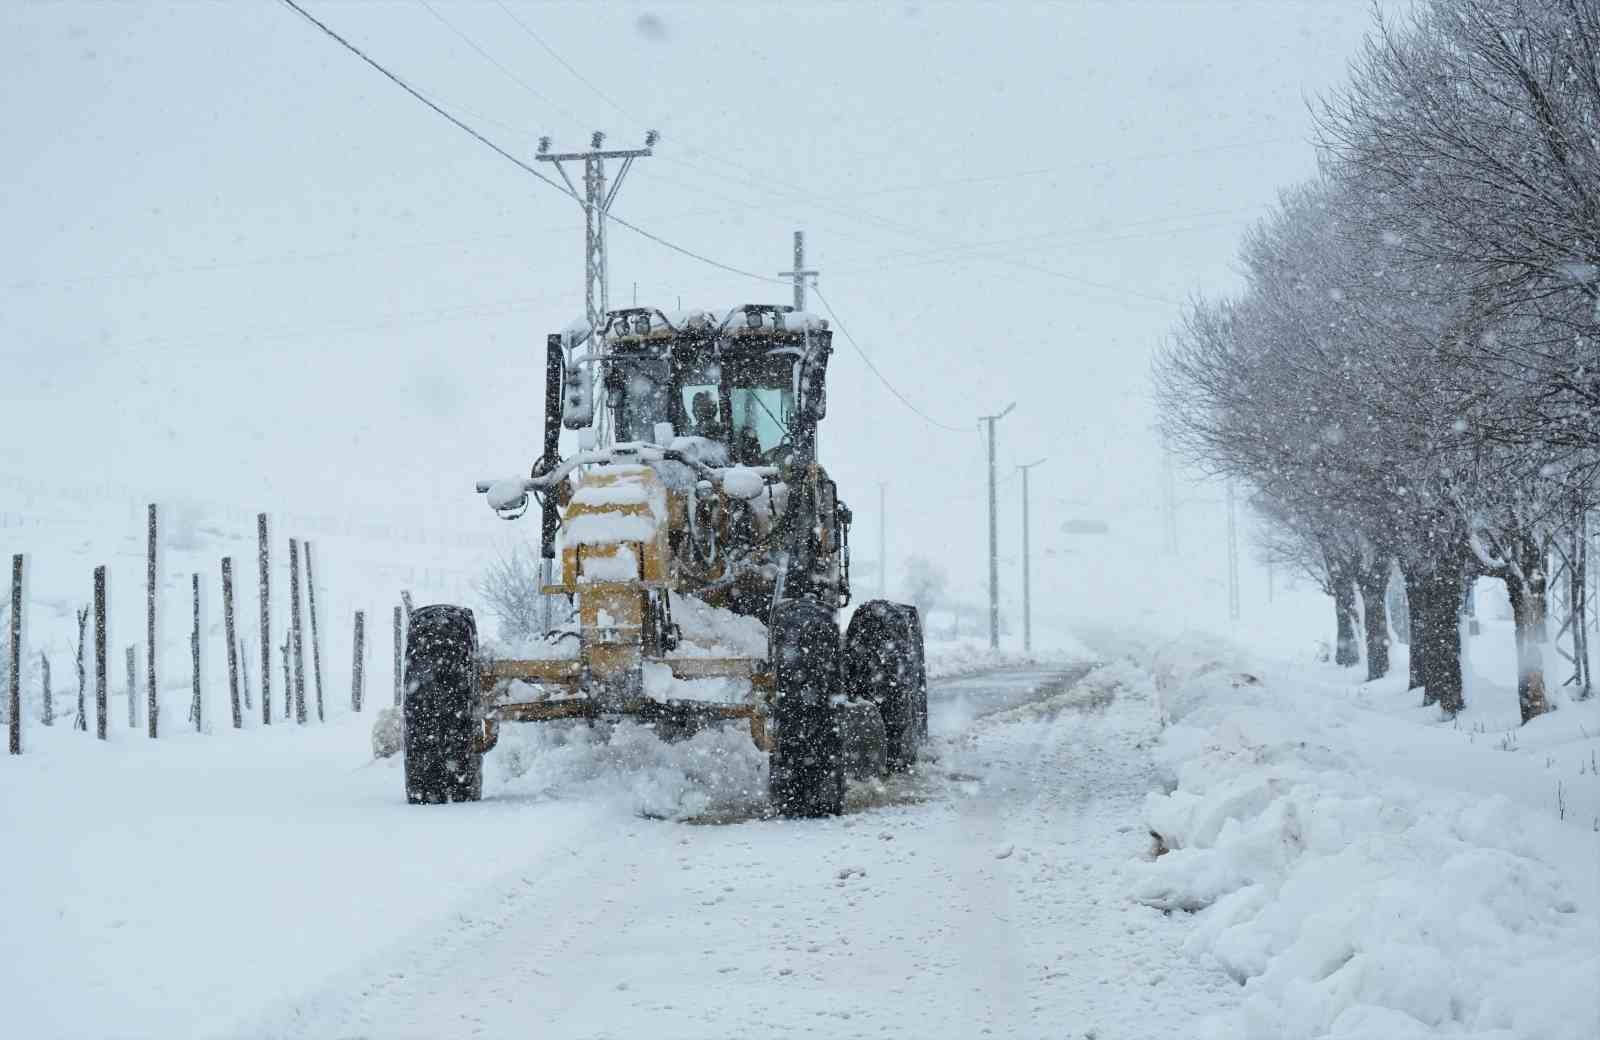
<point>698,553</point>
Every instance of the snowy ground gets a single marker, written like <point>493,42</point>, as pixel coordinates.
<point>1335,860</point>
<point>1341,864</point>
<point>983,893</point>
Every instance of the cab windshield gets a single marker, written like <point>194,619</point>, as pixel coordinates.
<point>640,395</point>
<point>761,406</point>
<point>745,404</point>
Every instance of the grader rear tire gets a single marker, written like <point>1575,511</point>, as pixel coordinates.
<point>884,664</point>
<point>443,763</point>
<point>806,775</point>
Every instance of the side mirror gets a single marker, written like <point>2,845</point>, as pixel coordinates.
<point>814,376</point>
<point>577,398</point>
<point>507,498</point>
<point>813,392</point>
<point>815,407</point>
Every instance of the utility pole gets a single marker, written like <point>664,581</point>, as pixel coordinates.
<point>799,274</point>
<point>883,555</point>
<point>596,200</point>
<point>1233,560</point>
<point>994,538</point>
<point>1027,564</point>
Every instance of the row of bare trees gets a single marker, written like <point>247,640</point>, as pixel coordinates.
<point>1411,378</point>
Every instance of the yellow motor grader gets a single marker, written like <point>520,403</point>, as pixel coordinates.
<point>693,513</point>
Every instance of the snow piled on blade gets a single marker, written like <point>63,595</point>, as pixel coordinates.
<point>718,772</point>
<point>1363,875</point>
<point>708,631</point>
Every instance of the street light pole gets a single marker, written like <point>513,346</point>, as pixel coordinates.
<point>1027,565</point>
<point>994,538</point>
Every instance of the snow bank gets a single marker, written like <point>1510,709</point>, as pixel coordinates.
<point>946,659</point>
<point>1362,873</point>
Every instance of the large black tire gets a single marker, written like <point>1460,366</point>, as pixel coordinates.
<point>806,776</point>
<point>441,704</point>
<point>919,653</point>
<point>884,664</point>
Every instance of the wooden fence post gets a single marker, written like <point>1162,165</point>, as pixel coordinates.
<point>295,634</point>
<point>233,646</point>
<point>288,687</point>
<point>262,560</point>
<point>133,690</point>
<point>316,648</point>
<point>14,694</point>
<point>244,672</point>
<point>194,653</point>
<point>100,652</point>
<point>358,667</point>
<point>152,707</point>
<point>398,651</point>
<point>81,723</point>
<point>49,702</point>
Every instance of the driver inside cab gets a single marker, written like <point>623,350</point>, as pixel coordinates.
<point>704,409</point>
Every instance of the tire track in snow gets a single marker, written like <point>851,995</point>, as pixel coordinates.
<point>991,906</point>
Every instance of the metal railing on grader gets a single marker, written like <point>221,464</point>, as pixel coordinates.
<point>695,484</point>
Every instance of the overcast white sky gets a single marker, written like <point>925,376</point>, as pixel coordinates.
<point>242,265</point>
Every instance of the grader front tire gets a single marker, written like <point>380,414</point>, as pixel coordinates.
<point>806,777</point>
<point>442,760</point>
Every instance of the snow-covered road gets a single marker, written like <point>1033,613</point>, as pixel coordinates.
<point>986,896</point>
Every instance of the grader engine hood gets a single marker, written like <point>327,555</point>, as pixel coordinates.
<point>615,529</point>
<point>614,560</point>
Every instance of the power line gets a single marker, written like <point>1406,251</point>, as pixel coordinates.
<point>913,187</point>
<point>881,377</point>
<point>485,309</point>
<point>524,167</point>
<point>538,94</point>
<point>1092,234</point>
<point>414,92</point>
<point>602,95</point>
<point>765,183</point>
<point>1104,287</point>
<point>518,80</point>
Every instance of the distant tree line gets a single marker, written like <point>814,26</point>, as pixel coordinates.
<point>1410,378</point>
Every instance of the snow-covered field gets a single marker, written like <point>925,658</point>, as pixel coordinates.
<point>1140,832</point>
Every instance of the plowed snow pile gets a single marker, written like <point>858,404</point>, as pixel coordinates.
<point>718,771</point>
<point>1365,869</point>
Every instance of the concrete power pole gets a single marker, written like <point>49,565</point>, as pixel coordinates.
<point>994,537</point>
<point>799,274</point>
<point>596,200</point>
<point>1027,565</point>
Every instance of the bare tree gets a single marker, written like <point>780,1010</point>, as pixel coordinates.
<point>510,586</point>
<point>925,583</point>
